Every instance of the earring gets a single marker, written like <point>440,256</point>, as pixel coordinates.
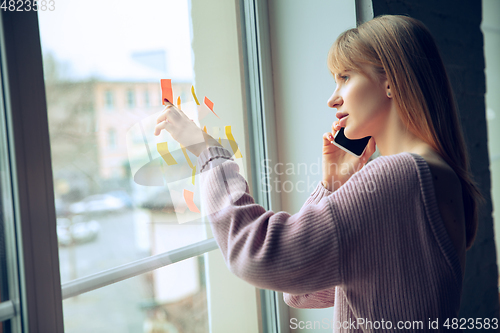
<point>388,94</point>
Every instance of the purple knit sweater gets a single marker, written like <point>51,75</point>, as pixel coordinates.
<point>376,248</point>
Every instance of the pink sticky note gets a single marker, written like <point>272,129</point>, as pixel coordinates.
<point>166,91</point>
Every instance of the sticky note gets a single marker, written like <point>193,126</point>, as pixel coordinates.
<point>194,95</point>
<point>203,111</point>
<point>179,102</point>
<point>210,105</point>
<point>232,142</point>
<point>178,201</point>
<point>166,91</point>
<point>185,214</point>
<point>188,197</point>
<point>165,153</point>
<point>193,167</point>
<point>205,129</point>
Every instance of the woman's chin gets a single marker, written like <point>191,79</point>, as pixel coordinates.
<point>348,133</point>
<point>351,134</point>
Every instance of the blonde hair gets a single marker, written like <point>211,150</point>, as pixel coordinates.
<point>402,50</point>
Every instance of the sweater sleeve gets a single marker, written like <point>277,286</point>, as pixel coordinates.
<point>317,300</point>
<point>319,193</point>
<point>297,254</point>
<point>323,298</point>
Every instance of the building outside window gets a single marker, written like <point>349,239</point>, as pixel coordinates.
<point>146,99</point>
<point>109,99</point>
<point>111,139</point>
<point>130,98</point>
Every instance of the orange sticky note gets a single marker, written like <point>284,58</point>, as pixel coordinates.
<point>205,129</point>
<point>179,102</point>
<point>188,196</point>
<point>210,105</point>
<point>166,91</point>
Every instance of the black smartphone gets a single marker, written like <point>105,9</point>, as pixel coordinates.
<point>355,147</point>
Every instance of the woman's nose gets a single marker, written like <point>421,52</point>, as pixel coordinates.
<point>335,101</point>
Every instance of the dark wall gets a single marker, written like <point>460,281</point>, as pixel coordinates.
<point>455,25</point>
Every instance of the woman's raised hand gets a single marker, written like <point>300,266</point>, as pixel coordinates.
<point>183,130</point>
<point>338,165</point>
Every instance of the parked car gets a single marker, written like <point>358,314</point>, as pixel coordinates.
<point>76,230</point>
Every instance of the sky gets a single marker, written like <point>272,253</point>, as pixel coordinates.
<point>98,37</point>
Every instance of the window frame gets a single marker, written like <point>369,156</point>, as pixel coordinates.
<point>40,305</point>
<point>262,124</point>
<point>41,293</point>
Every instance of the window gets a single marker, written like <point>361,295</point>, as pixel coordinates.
<point>146,99</point>
<point>107,222</point>
<point>79,231</point>
<point>108,100</point>
<point>111,139</point>
<point>130,98</point>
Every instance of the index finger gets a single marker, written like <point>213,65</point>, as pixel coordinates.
<point>163,115</point>
<point>335,123</point>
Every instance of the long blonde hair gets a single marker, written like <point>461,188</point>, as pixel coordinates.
<point>403,50</point>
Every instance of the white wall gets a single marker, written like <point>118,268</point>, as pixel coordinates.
<point>301,35</point>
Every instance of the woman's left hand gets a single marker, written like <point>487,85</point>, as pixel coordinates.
<point>184,130</point>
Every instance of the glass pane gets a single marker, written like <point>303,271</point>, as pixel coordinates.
<point>119,195</point>
<point>170,299</point>
<point>112,186</point>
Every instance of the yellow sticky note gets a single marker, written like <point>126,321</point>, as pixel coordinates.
<point>165,153</point>
<point>179,102</point>
<point>232,142</point>
<point>184,151</point>
<point>194,95</point>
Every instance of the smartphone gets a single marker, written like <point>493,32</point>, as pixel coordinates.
<point>355,147</point>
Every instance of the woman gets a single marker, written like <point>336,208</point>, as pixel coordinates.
<point>386,241</point>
